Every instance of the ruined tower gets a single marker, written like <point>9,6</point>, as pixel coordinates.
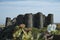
<point>8,21</point>
<point>14,21</point>
<point>38,20</point>
<point>28,20</point>
<point>44,20</point>
<point>49,19</point>
<point>19,19</point>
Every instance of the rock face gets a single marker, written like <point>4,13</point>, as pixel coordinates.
<point>44,21</point>
<point>37,20</point>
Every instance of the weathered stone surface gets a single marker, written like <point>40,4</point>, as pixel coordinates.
<point>28,20</point>
<point>14,21</point>
<point>8,21</point>
<point>49,19</point>
<point>19,19</point>
<point>35,21</point>
<point>38,20</point>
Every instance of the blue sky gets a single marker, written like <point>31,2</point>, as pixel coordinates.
<point>31,0</point>
<point>12,8</point>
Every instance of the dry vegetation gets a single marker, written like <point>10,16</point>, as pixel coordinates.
<point>36,31</point>
<point>58,25</point>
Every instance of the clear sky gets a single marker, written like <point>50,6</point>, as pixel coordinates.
<point>12,8</point>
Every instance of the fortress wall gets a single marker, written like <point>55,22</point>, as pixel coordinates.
<point>28,20</point>
<point>19,19</point>
<point>49,19</point>
<point>37,20</point>
<point>8,21</point>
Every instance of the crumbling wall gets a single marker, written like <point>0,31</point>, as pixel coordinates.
<point>37,20</point>
<point>8,21</point>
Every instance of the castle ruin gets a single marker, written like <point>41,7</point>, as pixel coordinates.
<point>37,20</point>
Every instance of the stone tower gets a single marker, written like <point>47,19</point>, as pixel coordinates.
<point>28,20</point>
<point>38,20</point>
<point>49,19</point>
<point>19,19</point>
<point>8,21</point>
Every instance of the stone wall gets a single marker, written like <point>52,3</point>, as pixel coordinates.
<point>28,20</point>
<point>8,21</point>
<point>38,20</point>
